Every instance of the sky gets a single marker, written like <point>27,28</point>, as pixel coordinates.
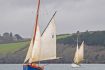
<point>18,16</point>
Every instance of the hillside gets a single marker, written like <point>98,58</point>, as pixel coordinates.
<point>66,46</point>
<point>89,37</point>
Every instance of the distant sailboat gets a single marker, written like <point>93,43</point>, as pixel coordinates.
<point>79,55</point>
<point>42,47</point>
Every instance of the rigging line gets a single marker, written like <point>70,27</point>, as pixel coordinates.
<point>49,23</point>
<point>48,10</point>
<point>77,38</point>
<point>45,7</point>
<point>77,45</point>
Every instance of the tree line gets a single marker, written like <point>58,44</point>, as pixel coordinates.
<point>89,37</point>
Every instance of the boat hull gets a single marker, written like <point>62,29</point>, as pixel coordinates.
<point>29,67</point>
<point>75,65</point>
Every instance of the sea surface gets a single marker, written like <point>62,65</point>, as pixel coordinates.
<point>56,67</point>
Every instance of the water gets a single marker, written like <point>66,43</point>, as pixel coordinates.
<point>56,67</point>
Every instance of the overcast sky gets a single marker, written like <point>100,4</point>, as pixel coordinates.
<point>18,16</point>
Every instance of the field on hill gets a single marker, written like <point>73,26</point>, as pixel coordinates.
<point>62,36</point>
<point>13,52</point>
<point>12,47</point>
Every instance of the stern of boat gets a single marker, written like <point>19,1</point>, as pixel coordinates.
<point>30,67</point>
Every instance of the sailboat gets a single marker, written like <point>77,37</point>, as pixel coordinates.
<point>79,55</point>
<point>42,46</point>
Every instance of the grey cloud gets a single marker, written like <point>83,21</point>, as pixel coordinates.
<point>18,16</point>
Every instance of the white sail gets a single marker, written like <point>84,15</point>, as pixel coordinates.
<point>29,51</point>
<point>76,55</point>
<point>48,42</point>
<point>36,47</point>
<point>79,54</point>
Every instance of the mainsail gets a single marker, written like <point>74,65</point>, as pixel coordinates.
<point>79,54</point>
<point>48,41</point>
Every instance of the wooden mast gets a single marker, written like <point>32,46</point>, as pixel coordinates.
<point>36,21</point>
<point>36,24</point>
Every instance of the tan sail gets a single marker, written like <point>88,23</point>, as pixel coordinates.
<point>79,54</point>
<point>48,42</point>
<point>76,55</point>
<point>36,47</point>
